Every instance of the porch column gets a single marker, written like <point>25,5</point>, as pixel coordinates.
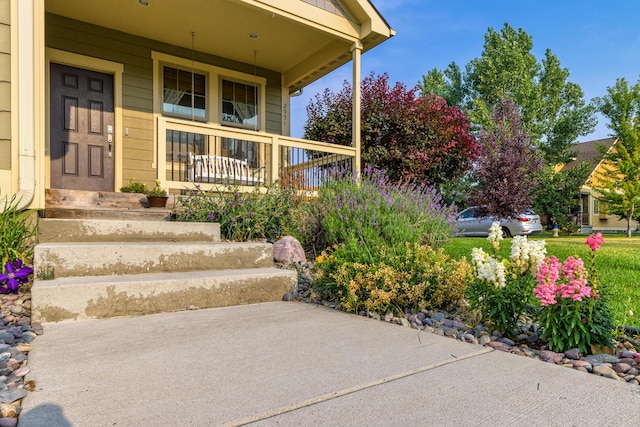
<point>356,51</point>
<point>28,71</point>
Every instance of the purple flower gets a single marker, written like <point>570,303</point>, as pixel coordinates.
<point>250,213</point>
<point>16,274</point>
<point>236,195</point>
<point>212,216</point>
<point>231,204</point>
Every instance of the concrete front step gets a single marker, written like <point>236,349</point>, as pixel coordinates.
<point>101,230</point>
<point>102,297</point>
<point>56,260</point>
<point>140,214</point>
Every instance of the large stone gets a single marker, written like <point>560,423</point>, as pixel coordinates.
<point>606,371</point>
<point>550,356</point>
<point>288,250</point>
<point>573,354</point>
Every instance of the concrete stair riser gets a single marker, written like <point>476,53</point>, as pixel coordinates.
<point>102,297</point>
<point>71,230</point>
<point>105,259</point>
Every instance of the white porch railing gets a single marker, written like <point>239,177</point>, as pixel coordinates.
<point>211,155</point>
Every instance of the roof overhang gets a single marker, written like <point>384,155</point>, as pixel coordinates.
<point>301,41</point>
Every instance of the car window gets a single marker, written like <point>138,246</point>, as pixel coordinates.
<point>467,213</point>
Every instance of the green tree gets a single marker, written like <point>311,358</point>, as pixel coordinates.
<point>619,181</point>
<point>552,109</point>
<point>558,192</point>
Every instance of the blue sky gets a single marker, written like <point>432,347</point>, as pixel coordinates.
<point>597,41</point>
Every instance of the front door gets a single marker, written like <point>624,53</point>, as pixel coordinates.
<point>82,129</point>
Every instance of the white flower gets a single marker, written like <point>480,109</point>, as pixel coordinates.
<point>488,268</point>
<point>526,256</point>
<point>501,275</point>
<point>495,235</point>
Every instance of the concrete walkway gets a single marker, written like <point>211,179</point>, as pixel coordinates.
<point>296,364</point>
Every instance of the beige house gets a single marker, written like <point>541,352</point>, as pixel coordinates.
<point>589,215</point>
<point>95,93</point>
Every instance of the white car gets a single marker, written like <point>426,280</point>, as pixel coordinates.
<point>470,223</point>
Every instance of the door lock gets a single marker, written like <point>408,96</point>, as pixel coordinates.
<point>110,140</point>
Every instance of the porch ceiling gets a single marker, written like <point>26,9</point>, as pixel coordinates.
<point>301,41</point>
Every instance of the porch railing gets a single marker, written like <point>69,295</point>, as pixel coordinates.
<point>211,155</point>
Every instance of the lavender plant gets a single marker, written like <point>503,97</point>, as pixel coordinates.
<point>380,212</point>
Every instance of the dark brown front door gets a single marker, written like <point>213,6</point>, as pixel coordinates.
<point>82,129</point>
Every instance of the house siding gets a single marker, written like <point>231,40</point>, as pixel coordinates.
<point>5,84</point>
<point>137,83</point>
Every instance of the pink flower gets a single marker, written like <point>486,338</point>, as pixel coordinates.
<point>546,279</point>
<point>595,240</point>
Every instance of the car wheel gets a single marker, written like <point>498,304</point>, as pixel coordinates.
<point>505,233</point>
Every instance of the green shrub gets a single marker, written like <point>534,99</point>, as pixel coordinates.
<point>410,276</point>
<point>17,232</point>
<point>242,216</point>
<point>134,187</point>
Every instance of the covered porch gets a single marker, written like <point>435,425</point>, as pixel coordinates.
<point>194,92</point>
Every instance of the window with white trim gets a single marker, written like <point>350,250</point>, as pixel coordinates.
<point>240,104</point>
<point>184,93</point>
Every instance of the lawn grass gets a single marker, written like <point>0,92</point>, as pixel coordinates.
<point>617,262</point>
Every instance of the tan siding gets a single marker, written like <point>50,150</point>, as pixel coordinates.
<point>5,12</point>
<point>137,100</point>
<point>5,125</point>
<point>5,96</point>
<point>274,107</point>
<point>5,67</point>
<point>5,155</point>
<point>5,38</point>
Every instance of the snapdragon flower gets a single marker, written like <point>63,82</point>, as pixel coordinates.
<point>495,235</point>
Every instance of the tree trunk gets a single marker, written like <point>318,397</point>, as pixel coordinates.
<point>629,226</point>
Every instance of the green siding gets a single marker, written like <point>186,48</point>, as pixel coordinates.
<point>137,81</point>
<point>5,84</point>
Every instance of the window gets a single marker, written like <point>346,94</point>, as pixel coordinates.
<point>596,207</point>
<point>184,93</point>
<point>240,104</point>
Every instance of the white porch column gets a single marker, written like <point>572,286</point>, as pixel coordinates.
<point>356,51</point>
<point>28,72</point>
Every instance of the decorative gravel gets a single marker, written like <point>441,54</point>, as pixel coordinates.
<point>16,334</point>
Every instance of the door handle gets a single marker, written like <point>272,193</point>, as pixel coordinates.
<point>110,140</point>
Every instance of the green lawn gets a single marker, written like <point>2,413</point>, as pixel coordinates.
<point>618,266</point>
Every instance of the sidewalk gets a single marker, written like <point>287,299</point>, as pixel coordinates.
<point>291,364</point>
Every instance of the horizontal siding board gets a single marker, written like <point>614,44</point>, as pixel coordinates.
<point>5,125</point>
<point>5,154</point>
<point>5,38</point>
<point>5,12</point>
<point>5,96</point>
<point>5,67</point>
<point>138,123</point>
<point>131,80</point>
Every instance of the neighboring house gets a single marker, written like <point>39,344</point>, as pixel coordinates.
<point>589,214</point>
<point>95,93</point>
